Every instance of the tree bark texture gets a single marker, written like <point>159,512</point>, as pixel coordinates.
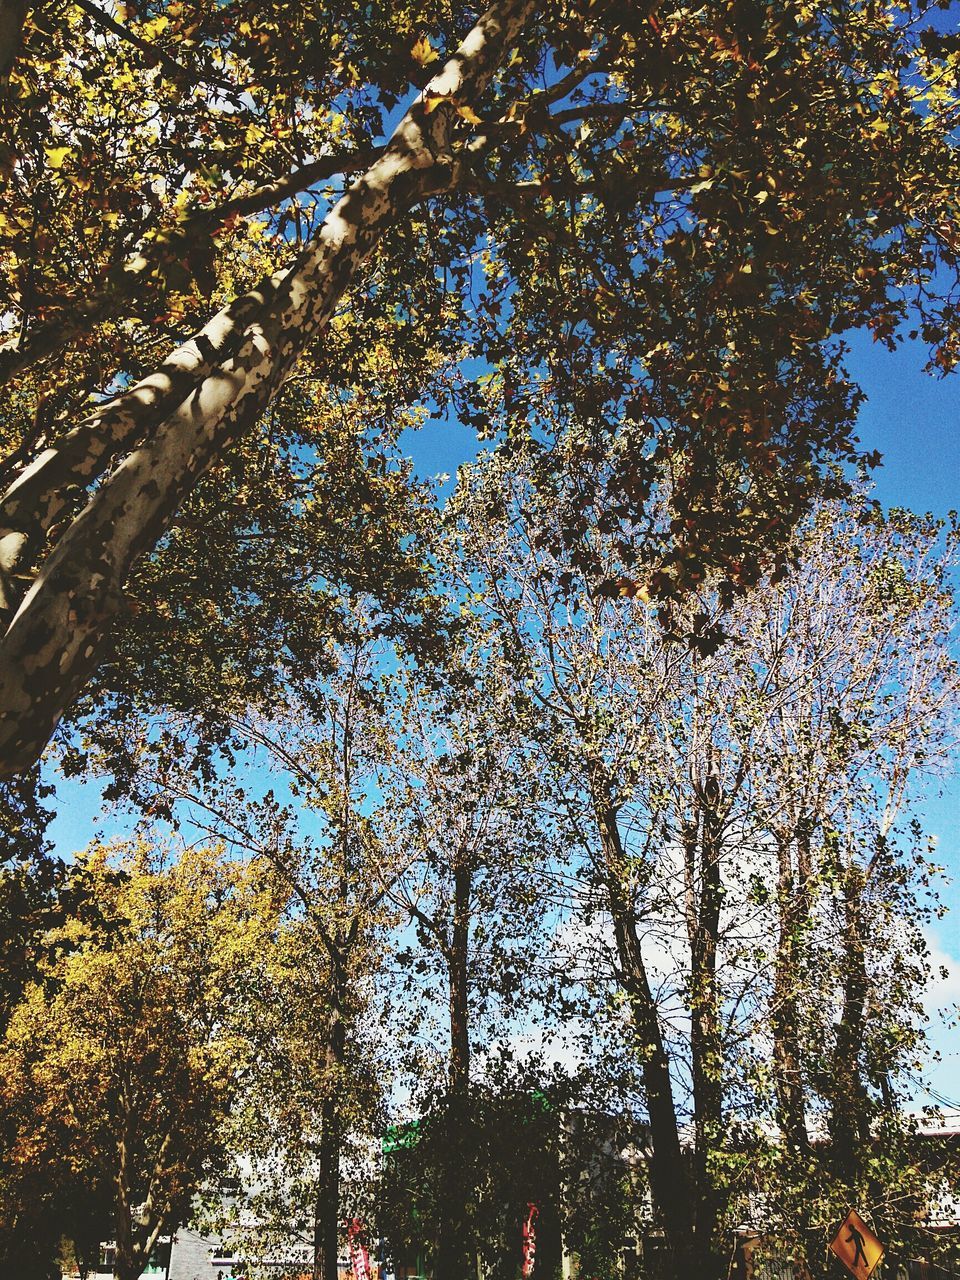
<point>160,436</point>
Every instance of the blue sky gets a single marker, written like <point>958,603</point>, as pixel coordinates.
<point>914,420</point>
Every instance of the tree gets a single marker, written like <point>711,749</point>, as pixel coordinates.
<point>671,239</point>
<point>315,842</point>
<point>590,716</point>
<point>463,803</point>
<point>687,777</point>
<point>515,1134</point>
<point>119,1066</point>
<point>857,686</point>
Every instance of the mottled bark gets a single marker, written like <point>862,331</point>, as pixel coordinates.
<point>669,1180</point>
<point>123,1222</point>
<point>172,426</point>
<point>137,1228</point>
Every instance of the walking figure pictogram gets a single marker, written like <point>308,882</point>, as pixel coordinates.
<point>856,1239</point>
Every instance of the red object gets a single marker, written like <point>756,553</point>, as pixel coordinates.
<point>529,1241</point>
<point>359,1258</point>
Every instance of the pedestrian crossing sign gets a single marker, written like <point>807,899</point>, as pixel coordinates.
<point>857,1247</point>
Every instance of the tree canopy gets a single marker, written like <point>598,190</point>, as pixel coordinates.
<point>648,224</point>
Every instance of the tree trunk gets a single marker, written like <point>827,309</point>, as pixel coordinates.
<point>793,910</point>
<point>459,1002</point>
<point>669,1180</point>
<point>171,427</point>
<point>849,1124</point>
<point>125,1263</point>
<point>456,1251</point>
<point>136,1233</point>
<point>326,1218</point>
<point>706,1048</point>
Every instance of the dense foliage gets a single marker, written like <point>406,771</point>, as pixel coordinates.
<point>649,226</point>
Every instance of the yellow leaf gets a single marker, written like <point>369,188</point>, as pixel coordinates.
<point>56,156</point>
<point>469,115</point>
<point>433,100</point>
<point>424,52</point>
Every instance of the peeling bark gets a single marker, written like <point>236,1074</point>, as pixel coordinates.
<point>171,427</point>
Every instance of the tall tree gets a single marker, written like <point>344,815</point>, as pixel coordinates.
<point>687,799</point>
<point>650,209</point>
<point>463,803</point>
<point>857,684</point>
<point>121,1062</point>
<point>315,836</point>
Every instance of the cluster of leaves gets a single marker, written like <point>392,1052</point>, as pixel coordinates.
<point>693,240</point>
<point>506,1136</point>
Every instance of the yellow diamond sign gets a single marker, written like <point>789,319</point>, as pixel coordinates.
<point>857,1247</point>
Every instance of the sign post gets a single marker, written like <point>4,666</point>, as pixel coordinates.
<point>529,1241</point>
<point>359,1258</point>
<point>857,1247</point>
